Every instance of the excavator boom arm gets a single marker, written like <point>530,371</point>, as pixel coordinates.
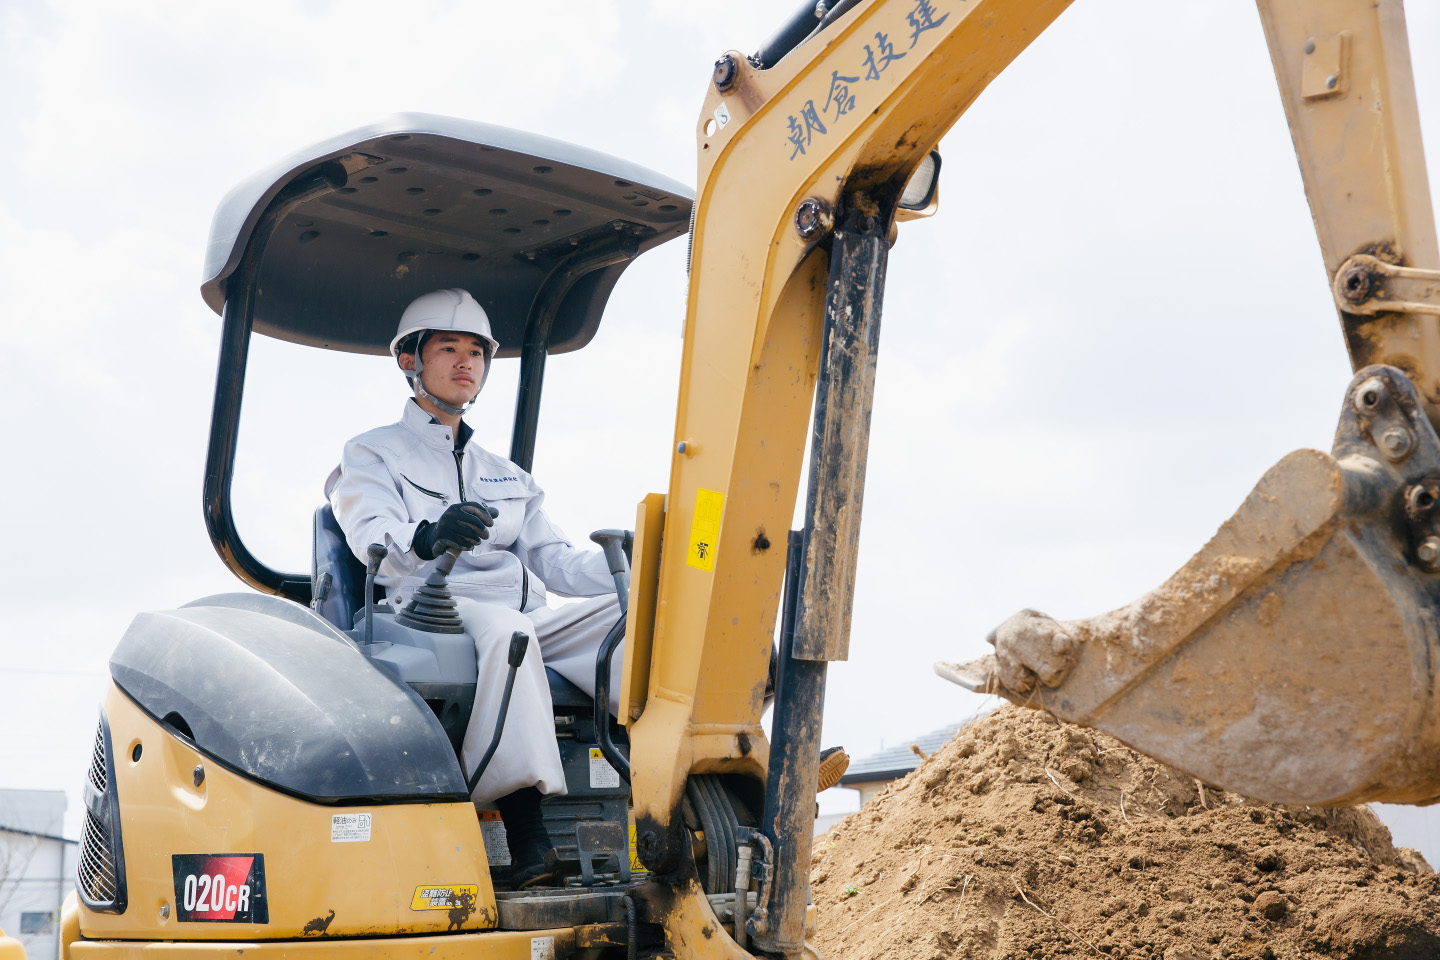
<point>1343,67</point>
<point>803,156</point>
<point>826,137</point>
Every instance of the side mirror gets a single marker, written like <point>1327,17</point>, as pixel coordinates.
<point>921,196</point>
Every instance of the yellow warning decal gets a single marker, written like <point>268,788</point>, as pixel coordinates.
<point>705,529</point>
<point>635,864</point>
<point>443,897</point>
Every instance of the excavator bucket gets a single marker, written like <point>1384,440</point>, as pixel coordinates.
<point>1295,658</point>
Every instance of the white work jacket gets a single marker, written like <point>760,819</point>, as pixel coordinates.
<point>393,477</point>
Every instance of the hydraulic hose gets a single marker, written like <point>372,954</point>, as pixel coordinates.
<point>632,927</point>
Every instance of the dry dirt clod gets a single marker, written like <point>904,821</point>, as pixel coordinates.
<point>1271,905</point>
<point>995,848</point>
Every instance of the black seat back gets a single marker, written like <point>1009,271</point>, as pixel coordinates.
<point>337,577</point>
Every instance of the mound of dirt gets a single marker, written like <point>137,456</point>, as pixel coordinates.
<point>1024,837</point>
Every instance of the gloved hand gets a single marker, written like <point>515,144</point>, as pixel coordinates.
<point>463,524</point>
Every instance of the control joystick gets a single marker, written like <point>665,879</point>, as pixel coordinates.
<point>432,608</point>
<point>375,555</point>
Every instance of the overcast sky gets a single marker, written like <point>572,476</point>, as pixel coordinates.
<point>1068,402</point>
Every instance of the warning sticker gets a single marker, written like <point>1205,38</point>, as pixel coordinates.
<point>635,863</point>
<point>542,948</point>
<point>492,831</point>
<point>722,115</point>
<point>602,775</point>
<point>705,529</point>
<point>444,897</point>
<point>349,827</point>
<point>220,887</point>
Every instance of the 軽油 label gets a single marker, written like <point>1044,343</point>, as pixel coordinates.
<point>349,827</point>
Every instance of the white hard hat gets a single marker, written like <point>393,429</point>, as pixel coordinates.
<point>450,309</point>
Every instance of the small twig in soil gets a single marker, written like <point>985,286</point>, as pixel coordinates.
<point>1071,930</point>
<point>877,906</point>
<point>1057,784</point>
<point>956,914</point>
<point>920,887</point>
<point>1122,810</point>
<point>1201,787</point>
<point>949,887</point>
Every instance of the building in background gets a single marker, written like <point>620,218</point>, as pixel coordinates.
<point>869,775</point>
<point>37,869</point>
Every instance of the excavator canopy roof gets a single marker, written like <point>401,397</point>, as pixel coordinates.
<point>364,222</point>
<point>328,246</point>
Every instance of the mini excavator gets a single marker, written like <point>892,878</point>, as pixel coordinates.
<point>274,772</point>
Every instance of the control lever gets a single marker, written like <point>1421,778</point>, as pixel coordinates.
<point>603,735</point>
<point>616,545</point>
<point>519,643</point>
<point>431,608</point>
<point>449,553</point>
<point>375,553</point>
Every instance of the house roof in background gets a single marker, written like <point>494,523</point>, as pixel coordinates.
<point>40,812</point>
<point>894,762</point>
<point>32,833</point>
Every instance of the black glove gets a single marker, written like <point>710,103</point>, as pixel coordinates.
<point>463,524</point>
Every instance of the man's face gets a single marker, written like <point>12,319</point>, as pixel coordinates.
<point>454,365</point>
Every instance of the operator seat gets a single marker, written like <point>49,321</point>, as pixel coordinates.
<point>337,580</point>
<point>337,577</point>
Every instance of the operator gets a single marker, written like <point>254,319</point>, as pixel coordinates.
<point>424,481</point>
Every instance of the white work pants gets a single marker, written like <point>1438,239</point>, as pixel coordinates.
<point>566,639</point>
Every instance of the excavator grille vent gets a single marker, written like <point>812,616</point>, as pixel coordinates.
<point>97,761</point>
<point>100,873</point>
<point>97,872</point>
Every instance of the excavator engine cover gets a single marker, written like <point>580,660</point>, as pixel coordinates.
<point>279,696</point>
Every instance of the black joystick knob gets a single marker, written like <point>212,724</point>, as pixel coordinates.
<point>375,554</point>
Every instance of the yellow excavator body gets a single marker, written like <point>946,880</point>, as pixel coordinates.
<point>1294,658</point>
<point>10,948</point>
<point>394,882</point>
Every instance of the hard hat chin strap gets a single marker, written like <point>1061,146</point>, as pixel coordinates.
<point>420,390</point>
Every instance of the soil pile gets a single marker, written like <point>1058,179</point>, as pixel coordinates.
<point>1024,837</point>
